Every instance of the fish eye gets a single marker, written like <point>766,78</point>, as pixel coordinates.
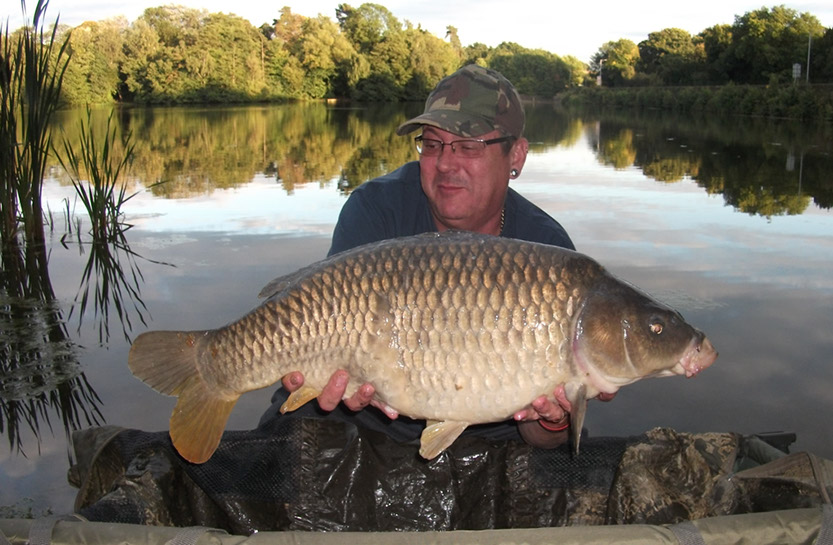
<point>656,327</point>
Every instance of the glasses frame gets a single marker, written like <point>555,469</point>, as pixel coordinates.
<point>419,139</point>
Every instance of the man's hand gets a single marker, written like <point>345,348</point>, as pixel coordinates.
<point>333,393</point>
<point>545,408</point>
<point>545,422</point>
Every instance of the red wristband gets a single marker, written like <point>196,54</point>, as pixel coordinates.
<point>557,426</point>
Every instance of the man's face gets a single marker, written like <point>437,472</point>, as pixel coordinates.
<point>468,193</point>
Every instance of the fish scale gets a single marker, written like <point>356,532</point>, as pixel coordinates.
<point>455,328</point>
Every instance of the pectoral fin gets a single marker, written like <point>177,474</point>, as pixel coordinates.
<point>438,436</point>
<point>577,396</point>
<point>298,398</point>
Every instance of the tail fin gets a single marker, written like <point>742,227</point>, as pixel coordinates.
<point>167,362</point>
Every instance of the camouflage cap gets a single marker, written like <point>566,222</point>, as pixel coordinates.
<point>471,102</point>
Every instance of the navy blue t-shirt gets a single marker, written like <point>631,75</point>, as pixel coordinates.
<point>394,205</point>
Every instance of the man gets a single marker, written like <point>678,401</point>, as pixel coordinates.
<point>471,144</point>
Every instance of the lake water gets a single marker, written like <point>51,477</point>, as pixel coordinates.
<point>730,221</point>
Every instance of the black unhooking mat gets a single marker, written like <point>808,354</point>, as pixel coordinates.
<point>320,475</point>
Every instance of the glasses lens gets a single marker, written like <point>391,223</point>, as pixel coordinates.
<point>428,146</point>
<point>469,148</point>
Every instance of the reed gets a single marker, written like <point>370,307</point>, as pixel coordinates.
<point>31,75</point>
<point>102,195</point>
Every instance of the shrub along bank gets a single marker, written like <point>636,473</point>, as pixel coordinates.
<point>795,101</point>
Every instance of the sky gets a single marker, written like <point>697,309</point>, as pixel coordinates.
<point>577,28</point>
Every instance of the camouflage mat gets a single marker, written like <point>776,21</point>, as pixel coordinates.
<point>320,475</point>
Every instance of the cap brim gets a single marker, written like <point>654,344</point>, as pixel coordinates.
<point>453,121</point>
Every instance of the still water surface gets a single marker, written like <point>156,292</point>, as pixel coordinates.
<point>728,221</point>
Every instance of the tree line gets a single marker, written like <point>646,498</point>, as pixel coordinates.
<point>760,47</point>
<point>173,54</point>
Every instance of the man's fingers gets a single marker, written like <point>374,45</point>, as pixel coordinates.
<point>292,381</point>
<point>389,411</point>
<point>332,393</point>
<point>361,398</point>
<point>561,398</point>
<point>549,410</point>
<point>543,407</point>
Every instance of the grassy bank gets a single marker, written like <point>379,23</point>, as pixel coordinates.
<point>806,102</point>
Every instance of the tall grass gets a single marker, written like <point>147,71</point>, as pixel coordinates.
<point>39,368</point>
<point>102,195</point>
<point>31,74</point>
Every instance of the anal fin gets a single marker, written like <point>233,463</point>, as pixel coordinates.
<point>298,398</point>
<point>198,420</point>
<point>438,436</point>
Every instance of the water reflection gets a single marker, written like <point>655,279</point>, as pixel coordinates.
<point>751,164</point>
<point>40,364</point>
<point>113,281</point>
<point>40,373</point>
<point>760,167</point>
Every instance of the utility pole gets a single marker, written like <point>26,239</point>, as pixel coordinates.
<point>809,45</point>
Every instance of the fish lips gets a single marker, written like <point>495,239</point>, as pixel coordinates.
<point>699,355</point>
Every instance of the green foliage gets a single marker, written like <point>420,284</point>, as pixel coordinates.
<point>92,77</point>
<point>616,62</point>
<point>534,72</point>
<point>174,54</point>
<point>766,43</point>
<point>788,101</point>
<point>673,56</point>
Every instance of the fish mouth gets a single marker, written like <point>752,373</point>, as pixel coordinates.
<point>699,355</point>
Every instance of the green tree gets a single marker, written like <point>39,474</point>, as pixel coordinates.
<point>431,59</point>
<point>142,49</point>
<point>175,70</point>
<point>231,64</point>
<point>577,68</point>
<point>767,42</point>
<point>92,76</point>
<point>367,25</point>
<point>454,40</point>
<point>289,27</point>
<point>821,59</point>
<point>476,53</point>
<point>673,56</point>
<point>325,56</point>
<point>616,62</point>
<point>717,43</point>
<point>533,71</point>
<point>284,71</point>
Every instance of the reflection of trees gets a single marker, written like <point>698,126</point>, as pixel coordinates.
<point>748,162</point>
<point>671,169</point>
<point>550,125</point>
<point>39,369</point>
<point>619,150</point>
<point>198,150</point>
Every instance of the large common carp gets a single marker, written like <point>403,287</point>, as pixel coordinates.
<point>455,328</point>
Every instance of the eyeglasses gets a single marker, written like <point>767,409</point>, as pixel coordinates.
<point>469,148</point>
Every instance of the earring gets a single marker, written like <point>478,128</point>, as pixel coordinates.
<point>514,172</point>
